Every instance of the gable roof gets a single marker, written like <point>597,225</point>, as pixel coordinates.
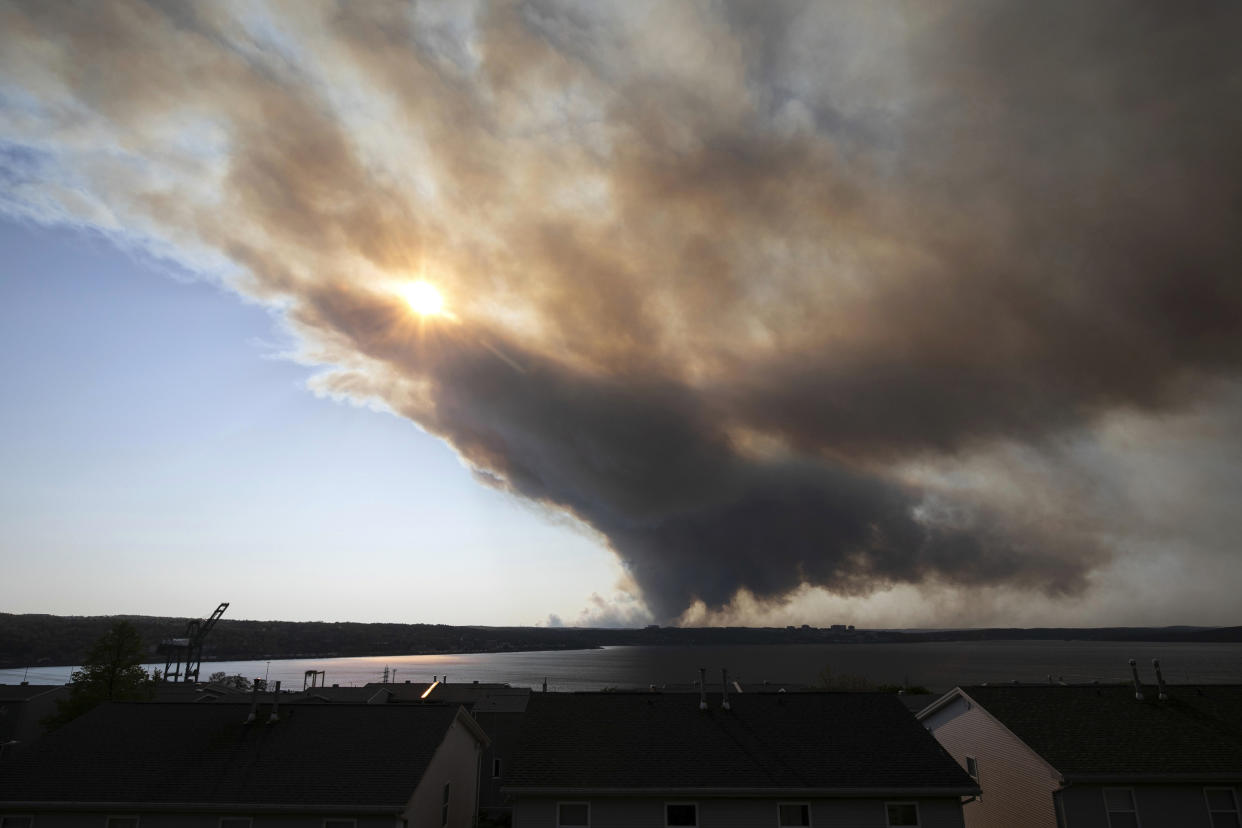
<point>166,691</point>
<point>1104,732</point>
<point>466,693</point>
<point>26,692</point>
<point>361,757</point>
<point>843,743</point>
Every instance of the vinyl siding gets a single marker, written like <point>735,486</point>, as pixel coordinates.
<point>1175,806</point>
<point>736,813</point>
<point>504,731</point>
<point>1017,785</point>
<point>456,762</point>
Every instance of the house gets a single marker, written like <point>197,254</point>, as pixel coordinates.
<point>223,765</point>
<point>500,715</point>
<point>23,707</point>
<point>595,760</point>
<point>197,692</point>
<point>410,691</point>
<point>1086,755</point>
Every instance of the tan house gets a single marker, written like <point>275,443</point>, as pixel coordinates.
<point>1086,756</point>
<point>224,765</point>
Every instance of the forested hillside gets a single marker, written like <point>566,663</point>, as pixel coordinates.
<point>45,640</point>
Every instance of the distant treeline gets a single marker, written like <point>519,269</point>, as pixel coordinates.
<point>47,640</point>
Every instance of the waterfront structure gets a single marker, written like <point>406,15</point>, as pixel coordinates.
<point>784,760</point>
<point>1054,756</point>
<point>225,765</point>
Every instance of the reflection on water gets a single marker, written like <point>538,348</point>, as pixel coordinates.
<point>938,665</point>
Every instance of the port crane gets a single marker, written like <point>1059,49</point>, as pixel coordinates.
<point>189,649</point>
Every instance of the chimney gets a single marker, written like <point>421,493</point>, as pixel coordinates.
<point>545,684</point>
<point>1138,688</point>
<point>702,688</point>
<point>724,682</point>
<point>1164,696</point>
<point>254,702</point>
<point>275,717</point>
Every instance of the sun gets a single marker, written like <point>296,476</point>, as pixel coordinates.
<point>424,299</point>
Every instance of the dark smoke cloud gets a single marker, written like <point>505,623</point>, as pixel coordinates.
<point>721,274</point>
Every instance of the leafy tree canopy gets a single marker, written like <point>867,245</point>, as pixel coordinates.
<point>223,678</point>
<point>112,671</point>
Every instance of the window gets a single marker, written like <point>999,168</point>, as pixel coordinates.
<point>339,823</point>
<point>972,767</point>
<point>495,769</point>
<point>1222,807</point>
<point>122,822</point>
<point>16,822</point>
<point>793,815</point>
<point>684,814</point>
<point>902,813</point>
<point>573,814</point>
<point>1119,802</point>
<point>444,806</point>
<point>234,822</point>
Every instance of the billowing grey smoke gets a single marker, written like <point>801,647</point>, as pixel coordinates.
<point>720,273</point>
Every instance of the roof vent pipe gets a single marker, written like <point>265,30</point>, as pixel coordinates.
<point>1164,696</point>
<point>275,717</point>
<point>254,702</point>
<point>724,681</point>
<point>702,688</point>
<point>1138,688</point>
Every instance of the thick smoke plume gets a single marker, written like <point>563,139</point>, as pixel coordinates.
<point>723,277</point>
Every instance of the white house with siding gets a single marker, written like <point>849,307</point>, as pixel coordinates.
<point>1086,756</point>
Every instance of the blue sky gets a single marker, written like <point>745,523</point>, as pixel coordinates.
<point>161,456</point>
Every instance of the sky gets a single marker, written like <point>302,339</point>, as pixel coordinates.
<point>907,314</point>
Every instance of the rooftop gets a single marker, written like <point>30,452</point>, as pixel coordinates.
<point>1088,730</point>
<point>324,755</point>
<point>26,692</point>
<point>838,742</point>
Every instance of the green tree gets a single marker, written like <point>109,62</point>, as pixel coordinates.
<point>238,681</point>
<point>112,671</point>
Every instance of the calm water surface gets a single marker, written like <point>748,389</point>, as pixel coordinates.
<point>938,665</point>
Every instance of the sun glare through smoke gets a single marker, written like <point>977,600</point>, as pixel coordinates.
<point>424,299</point>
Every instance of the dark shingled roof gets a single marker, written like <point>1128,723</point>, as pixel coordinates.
<point>26,692</point>
<point>797,740</point>
<point>335,755</point>
<point>1087,730</point>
